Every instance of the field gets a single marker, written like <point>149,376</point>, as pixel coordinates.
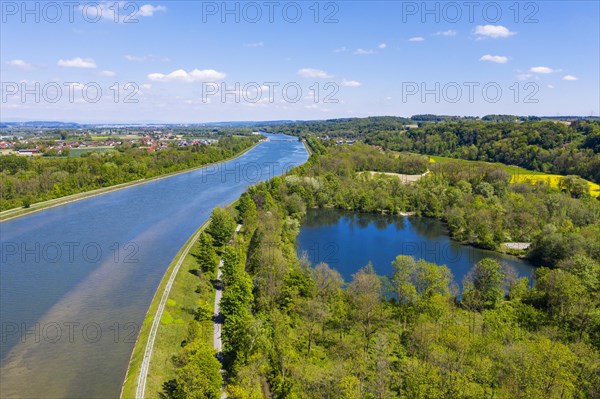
<point>403,178</point>
<point>518,174</point>
<point>77,152</point>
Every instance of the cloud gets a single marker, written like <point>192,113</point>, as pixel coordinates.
<point>493,31</point>
<point>550,86</point>
<point>542,69</point>
<point>187,77</point>
<point>142,58</point>
<point>362,51</point>
<point>416,39</point>
<point>313,73</point>
<point>257,44</point>
<point>19,64</point>
<point>77,62</point>
<point>148,10</point>
<point>120,11</point>
<point>340,50</point>
<point>109,74</point>
<point>498,59</point>
<point>524,76</point>
<point>382,45</point>
<point>350,83</point>
<point>448,32</point>
<point>570,78</point>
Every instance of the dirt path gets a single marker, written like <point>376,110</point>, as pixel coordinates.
<point>218,317</point>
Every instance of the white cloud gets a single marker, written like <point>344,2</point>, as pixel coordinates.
<point>187,77</point>
<point>382,45</point>
<point>542,69</point>
<point>524,76</point>
<point>19,64</point>
<point>146,86</point>
<point>493,31</point>
<point>120,11</point>
<point>148,10</point>
<point>448,32</point>
<point>313,73</point>
<point>77,62</point>
<point>257,44</point>
<point>416,39</point>
<point>340,50</point>
<point>350,83</point>
<point>550,86</point>
<point>135,58</point>
<point>141,58</point>
<point>109,74</point>
<point>362,51</point>
<point>570,78</point>
<point>498,59</point>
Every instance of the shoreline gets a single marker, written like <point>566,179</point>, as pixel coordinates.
<point>172,270</point>
<point>14,213</point>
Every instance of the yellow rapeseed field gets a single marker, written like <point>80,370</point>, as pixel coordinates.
<point>520,175</point>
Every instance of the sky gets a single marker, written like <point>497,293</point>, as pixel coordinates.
<point>205,61</point>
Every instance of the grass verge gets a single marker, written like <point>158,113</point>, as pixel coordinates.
<point>173,329</point>
<point>178,315</point>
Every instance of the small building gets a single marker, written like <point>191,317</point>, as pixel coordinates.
<point>31,151</point>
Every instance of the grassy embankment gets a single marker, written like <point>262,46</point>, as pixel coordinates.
<point>38,206</point>
<point>183,300</point>
<point>173,329</point>
<point>519,175</point>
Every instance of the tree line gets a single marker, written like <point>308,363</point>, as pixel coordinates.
<point>570,148</point>
<point>26,180</point>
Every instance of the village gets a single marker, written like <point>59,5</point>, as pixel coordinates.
<point>49,145</point>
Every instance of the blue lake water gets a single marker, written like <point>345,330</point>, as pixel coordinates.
<point>76,280</point>
<point>347,241</point>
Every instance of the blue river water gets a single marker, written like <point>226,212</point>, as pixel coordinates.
<point>76,280</point>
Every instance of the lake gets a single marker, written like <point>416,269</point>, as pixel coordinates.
<point>347,241</point>
<point>76,280</point>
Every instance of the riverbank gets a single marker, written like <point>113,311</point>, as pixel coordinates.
<point>171,322</point>
<point>39,206</point>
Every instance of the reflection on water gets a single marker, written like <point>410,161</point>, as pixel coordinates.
<point>76,280</point>
<point>347,241</point>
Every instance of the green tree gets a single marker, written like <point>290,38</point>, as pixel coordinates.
<point>221,226</point>
<point>207,257</point>
<point>198,376</point>
<point>575,185</point>
<point>483,286</point>
<point>365,293</point>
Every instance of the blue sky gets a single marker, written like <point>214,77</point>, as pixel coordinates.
<point>334,59</point>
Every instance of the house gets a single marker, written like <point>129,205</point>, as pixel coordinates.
<point>31,151</point>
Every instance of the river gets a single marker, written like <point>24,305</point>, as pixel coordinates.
<point>76,280</point>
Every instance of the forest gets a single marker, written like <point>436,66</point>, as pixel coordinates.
<point>296,330</point>
<point>27,180</point>
<point>571,148</point>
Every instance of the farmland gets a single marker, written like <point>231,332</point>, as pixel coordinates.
<point>518,174</point>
